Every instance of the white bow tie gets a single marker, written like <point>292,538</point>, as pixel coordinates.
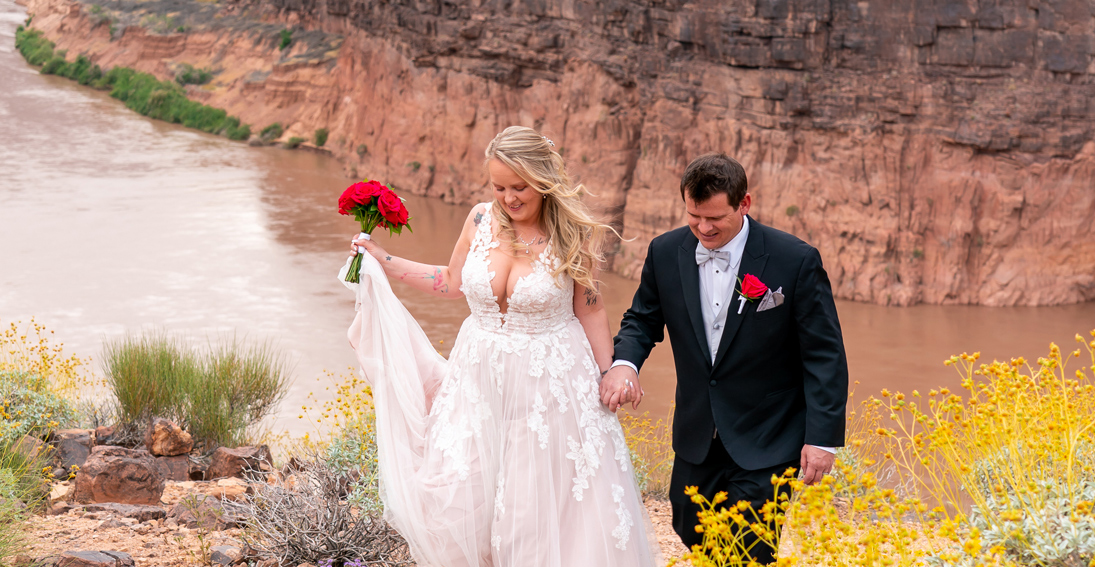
<point>720,257</point>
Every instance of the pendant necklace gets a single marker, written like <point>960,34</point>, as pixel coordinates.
<point>527,244</point>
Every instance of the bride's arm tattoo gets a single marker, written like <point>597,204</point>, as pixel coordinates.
<point>437,277</point>
<point>591,297</point>
<point>478,217</point>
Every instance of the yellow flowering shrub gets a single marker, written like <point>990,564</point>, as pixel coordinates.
<point>30,348</point>
<point>1000,473</point>
<point>349,444</point>
<point>651,444</point>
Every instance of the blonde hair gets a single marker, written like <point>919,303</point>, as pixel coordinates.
<point>577,239</point>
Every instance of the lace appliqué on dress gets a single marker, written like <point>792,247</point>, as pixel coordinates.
<point>622,532</point>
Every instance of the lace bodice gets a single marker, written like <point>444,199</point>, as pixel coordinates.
<point>538,304</point>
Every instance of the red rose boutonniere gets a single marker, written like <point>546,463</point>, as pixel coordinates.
<point>751,289</point>
<point>372,204</point>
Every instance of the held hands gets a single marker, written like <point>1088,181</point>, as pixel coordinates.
<point>815,463</point>
<point>619,386</point>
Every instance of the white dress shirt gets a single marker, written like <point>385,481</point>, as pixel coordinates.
<point>717,288</point>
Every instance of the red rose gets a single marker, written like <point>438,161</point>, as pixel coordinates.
<point>391,208</point>
<point>369,189</point>
<point>349,199</point>
<point>752,287</point>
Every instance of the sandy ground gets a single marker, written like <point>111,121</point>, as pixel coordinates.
<point>164,543</point>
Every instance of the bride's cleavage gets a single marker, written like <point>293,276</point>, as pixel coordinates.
<point>509,272</point>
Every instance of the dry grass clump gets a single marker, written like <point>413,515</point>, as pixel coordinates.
<point>311,520</point>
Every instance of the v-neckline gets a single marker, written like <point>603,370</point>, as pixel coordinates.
<point>539,261</point>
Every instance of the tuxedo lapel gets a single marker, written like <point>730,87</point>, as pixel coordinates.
<point>690,286</point>
<point>752,262</point>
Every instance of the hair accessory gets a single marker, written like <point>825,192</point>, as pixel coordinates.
<point>548,140</point>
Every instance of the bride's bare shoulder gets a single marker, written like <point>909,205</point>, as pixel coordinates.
<point>478,214</point>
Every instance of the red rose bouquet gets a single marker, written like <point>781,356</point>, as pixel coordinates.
<point>372,205</point>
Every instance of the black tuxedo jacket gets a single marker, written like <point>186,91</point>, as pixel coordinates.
<point>780,377</point>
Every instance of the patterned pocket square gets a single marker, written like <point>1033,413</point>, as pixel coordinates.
<point>771,300</point>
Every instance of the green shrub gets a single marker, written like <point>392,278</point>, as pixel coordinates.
<point>141,92</point>
<point>37,50</point>
<point>414,165</point>
<point>286,36</point>
<point>55,66</point>
<point>216,396</point>
<point>271,132</point>
<point>353,454</point>
<point>294,142</point>
<point>321,137</point>
<point>233,130</point>
<point>23,490</point>
<point>792,210</point>
<point>99,16</point>
<point>29,407</point>
<point>362,150</point>
<point>188,75</point>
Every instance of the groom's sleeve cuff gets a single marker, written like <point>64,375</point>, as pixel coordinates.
<point>629,365</point>
<point>829,449</point>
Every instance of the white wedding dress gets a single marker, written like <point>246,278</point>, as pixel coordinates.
<point>503,455</point>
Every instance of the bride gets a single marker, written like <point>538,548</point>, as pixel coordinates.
<point>503,455</point>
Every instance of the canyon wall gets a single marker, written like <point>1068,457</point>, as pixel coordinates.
<point>937,151</point>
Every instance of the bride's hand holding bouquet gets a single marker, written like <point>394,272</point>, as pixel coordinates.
<point>373,205</point>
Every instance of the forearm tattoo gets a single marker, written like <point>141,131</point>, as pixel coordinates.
<point>438,278</point>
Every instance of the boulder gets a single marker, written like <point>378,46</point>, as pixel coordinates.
<point>225,554</point>
<point>60,492</point>
<point>94,559</point>
<point>165,439</point>
<point>71,447</point>
<point>242,462</point>
<point>175,468</point>
<point>117,474</point>
<point>106,435</point>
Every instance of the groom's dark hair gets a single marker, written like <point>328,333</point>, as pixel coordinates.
<point>711,174</point>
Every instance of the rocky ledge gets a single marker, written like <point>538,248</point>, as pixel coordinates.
<point>935,151</point>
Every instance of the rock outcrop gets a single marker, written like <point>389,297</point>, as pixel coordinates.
<point>117,474</point>
<point>241,462</point>
<point>166,439</point>
<point>71,449</point>
<point>936,151</point>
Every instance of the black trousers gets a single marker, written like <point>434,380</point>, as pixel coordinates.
<point>719,473</point>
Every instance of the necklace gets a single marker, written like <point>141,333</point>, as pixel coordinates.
<point>528,249</point>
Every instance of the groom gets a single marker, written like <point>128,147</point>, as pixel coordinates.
<point>762,378</point>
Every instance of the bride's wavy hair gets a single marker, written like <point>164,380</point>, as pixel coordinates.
<point>577,238</point>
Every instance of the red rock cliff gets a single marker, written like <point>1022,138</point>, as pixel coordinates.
<point>934,151</point>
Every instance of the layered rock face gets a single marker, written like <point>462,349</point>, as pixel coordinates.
<point>934,151</point>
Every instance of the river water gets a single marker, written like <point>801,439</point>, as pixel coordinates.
<point>111,223</point>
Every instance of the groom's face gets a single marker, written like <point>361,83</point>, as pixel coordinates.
<point>714,221</point>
